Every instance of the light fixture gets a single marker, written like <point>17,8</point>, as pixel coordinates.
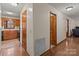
<point>69,8</point>
<point>30,9</point>
<point>14,4</point>
<point>9,13</point>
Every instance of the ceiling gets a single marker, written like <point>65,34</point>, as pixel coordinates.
<point>74,13</point>
<point>7,7</point>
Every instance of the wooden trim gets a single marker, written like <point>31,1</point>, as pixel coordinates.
<point>53,47</point>
<point>28,54</point>
<point>24,30</point>
<point>2,35</point>
<point>61,42</point>
<point>52,13</point>
<point>45,52</point>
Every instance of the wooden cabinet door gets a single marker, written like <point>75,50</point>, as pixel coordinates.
<point>9,34</point>
<point>17,23</point>
<point>53,30</point>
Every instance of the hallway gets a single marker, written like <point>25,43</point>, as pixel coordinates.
<point>68,47</point>
<point>12,48</point>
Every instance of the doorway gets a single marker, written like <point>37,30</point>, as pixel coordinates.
<point>24,35</point>
<point>10,22</point>
<point>53,29</point>
<point>13,29</point>
<point>67,33</point>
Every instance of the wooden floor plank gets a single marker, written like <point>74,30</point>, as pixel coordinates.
<point>69,47</point>
<point>12,48</point>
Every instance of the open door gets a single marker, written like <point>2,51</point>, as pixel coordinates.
<point>53,29</point>
<point>67,33</point>
<point>24,38</point>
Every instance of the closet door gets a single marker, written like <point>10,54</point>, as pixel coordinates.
<point>53,35</point>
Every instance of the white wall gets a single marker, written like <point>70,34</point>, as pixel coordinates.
<point>76,22</point>
<point>30,46</point>
<point>30,41</point>
<point>41,26</point>
<point>71,25</point>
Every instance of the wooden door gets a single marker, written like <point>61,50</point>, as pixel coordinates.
<point>53,35</point>
<point>24,30</point>
<point>67,33</point>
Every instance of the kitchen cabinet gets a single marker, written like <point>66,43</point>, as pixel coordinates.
<point>9,34</point>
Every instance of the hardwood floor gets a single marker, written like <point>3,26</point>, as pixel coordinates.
<point>12,48</point>
<point>69,47</point>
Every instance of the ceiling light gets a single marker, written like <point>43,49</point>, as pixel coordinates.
<point>30,9</point>
<point>69,8</point>
<point>14,4</point>
<point>9,13</point>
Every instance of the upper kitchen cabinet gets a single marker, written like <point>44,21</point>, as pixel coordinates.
<point>10,23</point>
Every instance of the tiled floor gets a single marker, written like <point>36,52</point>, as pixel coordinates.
<point>69,47</point>
<point>12,48</point>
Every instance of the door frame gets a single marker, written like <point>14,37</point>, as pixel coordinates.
<point>21,14</point>
<point>67,24</point>
<point>24,14</point>
<point>56,27</point>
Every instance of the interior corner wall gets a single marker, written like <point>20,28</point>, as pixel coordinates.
<point>29,18</point>
<point>41,27</point>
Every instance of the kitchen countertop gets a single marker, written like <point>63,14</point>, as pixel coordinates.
<point>9,29</point>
